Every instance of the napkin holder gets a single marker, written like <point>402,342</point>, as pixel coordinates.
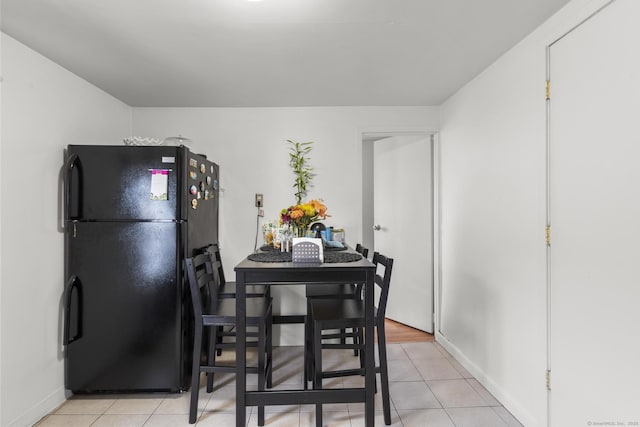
<point>307,250</point>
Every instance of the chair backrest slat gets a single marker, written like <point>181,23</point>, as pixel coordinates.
<point>203,284</point>
<point>215,266</point>
<point>216,262</point>
<point>365,253</point>
<point>362,250</point>
<point>382,281</point>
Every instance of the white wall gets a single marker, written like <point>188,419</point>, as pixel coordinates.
<point>44,108</point>
<point>1,376</point>
<point>249,145</point>
<point>493,313</point>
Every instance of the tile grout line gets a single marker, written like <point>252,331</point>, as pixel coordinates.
<point>429,388</point>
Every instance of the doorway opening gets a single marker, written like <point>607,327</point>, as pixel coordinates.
<point>399,217</point>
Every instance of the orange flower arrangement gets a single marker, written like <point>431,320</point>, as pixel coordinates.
<point>300,216</point>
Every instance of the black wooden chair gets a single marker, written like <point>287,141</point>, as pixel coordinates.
<point>332,314</point>
<point>210,313</point>
<point>335,291</point>
<point>228,289</point>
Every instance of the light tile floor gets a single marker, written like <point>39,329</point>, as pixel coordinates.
<point>427,386</point>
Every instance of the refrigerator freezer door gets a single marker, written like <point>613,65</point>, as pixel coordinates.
<point>106,183</point>
<point>125,311</point>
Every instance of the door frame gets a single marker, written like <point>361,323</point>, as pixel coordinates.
<point>367,137</point>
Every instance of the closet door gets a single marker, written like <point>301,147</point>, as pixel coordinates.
<point>594,172</point>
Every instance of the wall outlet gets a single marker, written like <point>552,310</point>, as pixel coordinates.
<point>258,200</point>
<point>261,212</point>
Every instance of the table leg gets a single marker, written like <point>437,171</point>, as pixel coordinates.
<point>370,370</point>
<point>241,350</point>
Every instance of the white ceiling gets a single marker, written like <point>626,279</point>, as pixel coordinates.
<point>237,53</point>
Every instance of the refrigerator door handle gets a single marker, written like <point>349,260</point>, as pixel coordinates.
<point>72,283</point>
<point>72,161</point>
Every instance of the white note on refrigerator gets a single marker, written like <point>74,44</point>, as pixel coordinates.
<point>159,184</point>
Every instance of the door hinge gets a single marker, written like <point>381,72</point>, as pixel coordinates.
<point>548,379</point>
<point>548,89</point>
<point>547,235</point>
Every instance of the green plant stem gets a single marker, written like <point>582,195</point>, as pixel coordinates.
<point>299,162</point>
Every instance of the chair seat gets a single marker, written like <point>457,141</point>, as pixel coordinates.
<point>257,309</point>
<point>333,290</point>
<point>344,312</point>
<point>228,290</point>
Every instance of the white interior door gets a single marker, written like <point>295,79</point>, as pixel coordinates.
<point>403,212</point>
<point>595,220</point>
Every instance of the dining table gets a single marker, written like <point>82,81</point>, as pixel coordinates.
<point>349,268</point>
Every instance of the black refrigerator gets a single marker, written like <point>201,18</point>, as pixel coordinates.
<point>132,214</point>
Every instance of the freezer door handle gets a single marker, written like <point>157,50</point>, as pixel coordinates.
<point>72,283</point>
<point>72,162</point>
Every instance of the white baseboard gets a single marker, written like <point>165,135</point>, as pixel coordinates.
<point>498,392</point>
<point>40,409</point>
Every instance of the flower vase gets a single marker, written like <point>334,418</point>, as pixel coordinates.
<point>299,231</point>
